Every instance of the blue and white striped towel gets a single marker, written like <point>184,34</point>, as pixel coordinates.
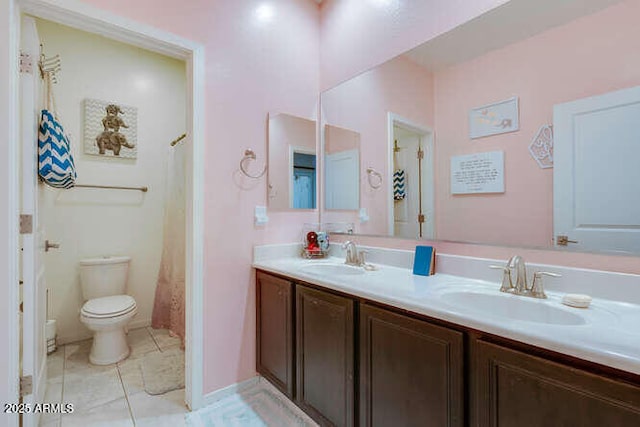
<point>399,192</point>
<point>55,162</point>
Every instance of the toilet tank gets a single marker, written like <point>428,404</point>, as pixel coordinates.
<point>103,277</point>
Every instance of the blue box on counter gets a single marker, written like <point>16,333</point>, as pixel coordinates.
<point>424,261</point>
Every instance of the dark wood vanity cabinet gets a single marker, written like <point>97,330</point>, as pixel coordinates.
<point>411,371</point>
<point>325,356</point>
<point>347,361</point>
<point>274,326</point>
<point>513,388</point>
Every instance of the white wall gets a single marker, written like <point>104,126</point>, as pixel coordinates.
<point>90,222</point>
<point>8,215</point>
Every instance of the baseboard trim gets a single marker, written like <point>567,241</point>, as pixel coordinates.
<point>219,394</point>
<point>62,340</point>
<point>139,323</point>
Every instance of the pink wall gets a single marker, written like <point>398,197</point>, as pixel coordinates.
<point>359,34</point>
<point>399,86</point>
<point>589,56</point>
<point>338,139</point>
<point>252,67</point>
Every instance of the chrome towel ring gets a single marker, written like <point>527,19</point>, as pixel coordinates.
<point>374,177</point>
<point>249,154</point>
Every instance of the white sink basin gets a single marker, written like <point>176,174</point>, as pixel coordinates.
<point>513,307</point>
<point>332,269</point>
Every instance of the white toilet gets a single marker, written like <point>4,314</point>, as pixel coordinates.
<point>107,309</point>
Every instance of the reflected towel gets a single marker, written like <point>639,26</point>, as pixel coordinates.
<point>398,185</point>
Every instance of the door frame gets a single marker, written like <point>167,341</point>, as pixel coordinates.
<point>427,133</point>
<point>88,18</point>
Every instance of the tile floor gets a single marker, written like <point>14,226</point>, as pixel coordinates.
<point>111,395</point>
<point>258,405</point>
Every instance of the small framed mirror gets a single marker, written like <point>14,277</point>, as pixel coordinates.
<point>292,174</point>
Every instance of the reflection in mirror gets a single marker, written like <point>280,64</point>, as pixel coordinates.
<point>292,162</point>
<point>497,97</point>
<point>411,160</point>
<point>342,168</point>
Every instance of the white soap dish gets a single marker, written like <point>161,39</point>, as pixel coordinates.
<point>576,300</point>
<point>370,267</point>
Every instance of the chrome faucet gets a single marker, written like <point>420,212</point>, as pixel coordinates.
<point>517,263</point>
<point>352,253</point>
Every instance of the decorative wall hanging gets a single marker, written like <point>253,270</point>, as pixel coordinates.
<point>541,147</point>
<point>478,173</point>
<point>110,130</point>
<point>493,119</point>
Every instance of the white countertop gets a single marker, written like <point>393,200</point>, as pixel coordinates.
<point>610,336</point>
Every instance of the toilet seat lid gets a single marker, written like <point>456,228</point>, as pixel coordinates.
<point>111,306</point>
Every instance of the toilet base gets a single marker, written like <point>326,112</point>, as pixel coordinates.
<point>109,347</point>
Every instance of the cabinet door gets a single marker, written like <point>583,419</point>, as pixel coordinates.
<point>517,389</point>
<point>411,372</point>
<point>275,331</point>
<point>324,342</point>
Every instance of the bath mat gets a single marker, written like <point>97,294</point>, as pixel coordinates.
<point>163,372</point>
<point>256,407</point>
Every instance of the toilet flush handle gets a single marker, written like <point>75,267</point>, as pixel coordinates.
<point>48,245</point>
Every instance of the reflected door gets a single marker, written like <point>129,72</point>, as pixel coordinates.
<point>304,188</point>
<point>342,180</point>
<point>406,211</point>
<point>303,184</point>
<point>596,174</point>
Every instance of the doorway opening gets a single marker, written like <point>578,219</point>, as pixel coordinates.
<point>410,164</point>
<point>31,333</point>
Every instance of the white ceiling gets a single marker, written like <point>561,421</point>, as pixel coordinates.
<point>514,21</point>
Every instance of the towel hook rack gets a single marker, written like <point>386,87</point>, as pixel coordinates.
<point>371,172</point>
<point>249,154</point>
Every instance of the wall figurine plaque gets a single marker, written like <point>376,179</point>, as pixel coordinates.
<point>110,129</point>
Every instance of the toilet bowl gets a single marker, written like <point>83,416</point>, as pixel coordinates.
<point>108,317</point>
<point>107,310</point>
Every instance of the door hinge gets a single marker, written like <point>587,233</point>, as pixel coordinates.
<point>420,153</point>
<point>26,385</point>
<point>26,63</point>
<point>26,224</point>
<point>421,218</point>
<point>562,240</point>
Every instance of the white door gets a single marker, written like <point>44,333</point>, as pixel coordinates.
<point>596,178</point>
<point>34,352</point>
<point>406,211</point>
<point>403,219</point>
<point>343,180</point>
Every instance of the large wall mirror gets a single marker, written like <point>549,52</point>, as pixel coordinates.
<point>518,128</point>
<point>292,174</point>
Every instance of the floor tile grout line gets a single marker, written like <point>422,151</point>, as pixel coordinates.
<point>64,373</point>
<point>126,396</point>
<point>153,338</point>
